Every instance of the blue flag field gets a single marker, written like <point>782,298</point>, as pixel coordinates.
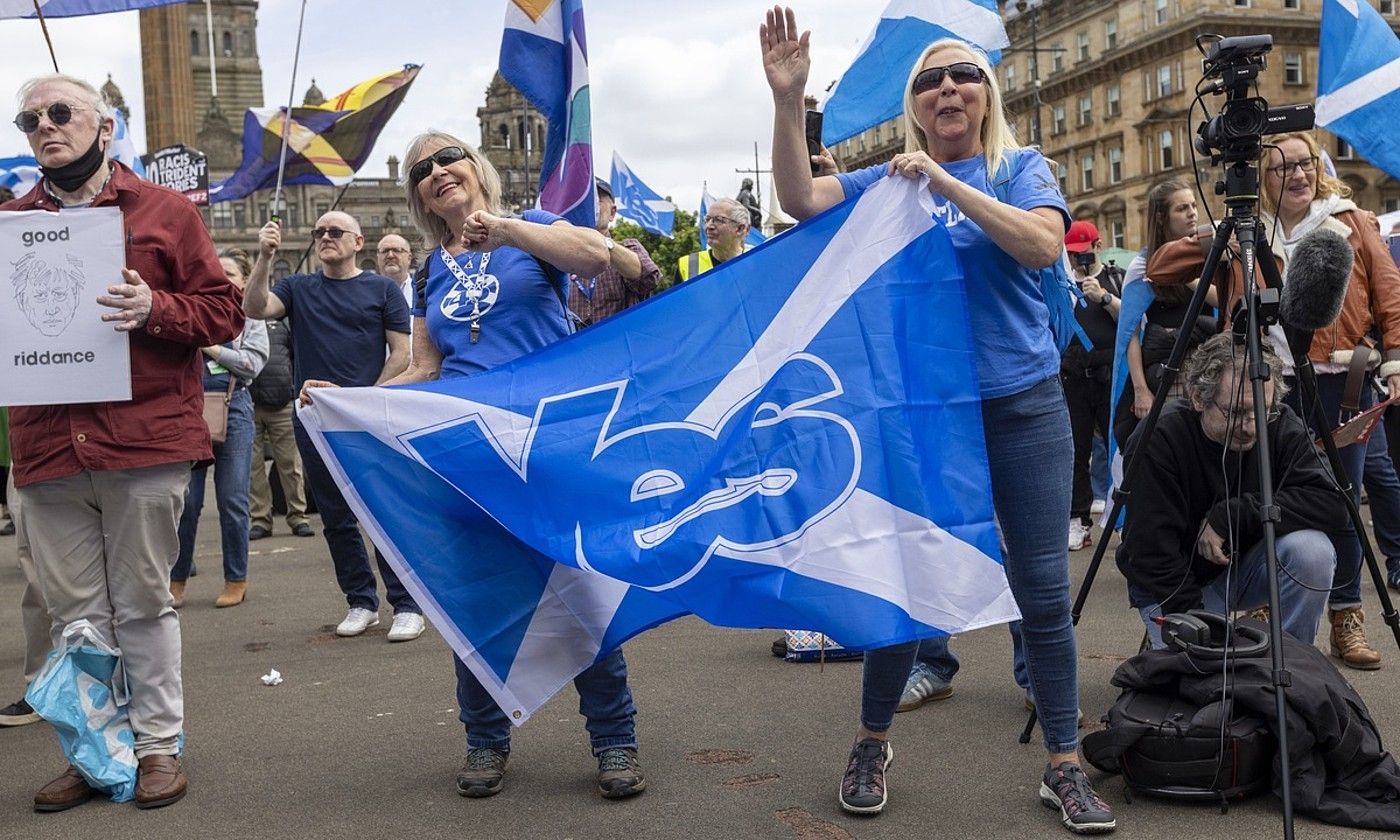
<point>793,440</point>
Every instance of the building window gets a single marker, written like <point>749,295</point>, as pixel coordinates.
<point>1115,104</point>
<point>194,42</point>
<point>1293,68</point>
<point>1086,110</point>
<point>1110,33</point>
<point>228,44</point>
<point>1290,5</point>
<point>1161,11</point>
<point>1062,172</point>
<point>1116,233</point>
<point>1057,119</point>
<point>1344,151</point>
<point>1010,75</point>
<point>221,214</point>
<point>1387,7</point>
<point>1057,59</point>
<point>1082,46</point>
<point>281,269</point>
<point>1115,165</point>
<point>1086,169</point>
<point>1164,144</point>
<point>1164,80</point>
<point>1390,205</point>
<point>1241,4</point>
<point>878,135</point>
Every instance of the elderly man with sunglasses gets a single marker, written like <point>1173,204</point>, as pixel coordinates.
<point>103,484</point>
<point>1194,532</point>
<point>341,319</point>
<point>726,228</point>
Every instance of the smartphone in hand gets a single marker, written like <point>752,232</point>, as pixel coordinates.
<point>814,135</point>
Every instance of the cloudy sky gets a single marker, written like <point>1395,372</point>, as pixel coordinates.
<point>678,87</point>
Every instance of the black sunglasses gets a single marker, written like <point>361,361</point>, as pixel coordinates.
<point>333,233</point>
<point>442,157</point>
<point>963,72</point>
<point>60,113</point>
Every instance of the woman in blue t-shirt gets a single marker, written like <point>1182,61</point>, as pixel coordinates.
<point>492,288</point>
<point>957,136</point>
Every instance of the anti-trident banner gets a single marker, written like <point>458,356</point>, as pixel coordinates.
<point>795,440</point>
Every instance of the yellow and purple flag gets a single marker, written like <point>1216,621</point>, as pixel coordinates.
<point>544,54</point>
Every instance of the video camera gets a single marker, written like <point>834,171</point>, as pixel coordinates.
<point>1236,133</point>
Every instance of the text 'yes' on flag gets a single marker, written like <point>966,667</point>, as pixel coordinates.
<point>792,440</point>
<point>871,91</point>
<point>1358,81</point>
<point>327,143</point>
<point>544,55</point>
<point>639,203</point>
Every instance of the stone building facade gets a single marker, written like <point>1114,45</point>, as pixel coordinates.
<point>512,138</point>
<point>1116,98</point>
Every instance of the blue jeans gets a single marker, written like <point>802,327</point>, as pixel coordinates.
<point>232,465</point>
<point>1031,455</point>
<point>604,700</point>
<point>1305,562</point>
<point>1346,580</point>
<point>1383,489</point>
<point>342,532</point>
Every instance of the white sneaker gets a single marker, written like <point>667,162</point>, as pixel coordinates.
<point>1079,535</point>
<point>407,626</point>
<point>1098,506</point>
<point>357,621</point>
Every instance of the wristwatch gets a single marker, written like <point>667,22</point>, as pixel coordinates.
<point>1106,300</point>
<point>610,243</point>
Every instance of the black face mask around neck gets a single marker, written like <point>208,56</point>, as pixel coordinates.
<point>72,175</point>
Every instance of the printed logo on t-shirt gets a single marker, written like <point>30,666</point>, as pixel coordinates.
<point>471,296</point>
<point>947,212</point>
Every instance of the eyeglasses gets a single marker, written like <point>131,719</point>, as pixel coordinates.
<point>445,156</point>
<point>963,73</point>
<point>1287,168</point>
<point>59,113</point>
<point>720,220</point>
<point>333,233</point>
<point>1247,417</point>
<point>393,250</point>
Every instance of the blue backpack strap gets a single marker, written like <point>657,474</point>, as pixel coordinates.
<point>1061,294</point>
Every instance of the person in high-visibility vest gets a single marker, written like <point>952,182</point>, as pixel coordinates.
<point>726,227</point>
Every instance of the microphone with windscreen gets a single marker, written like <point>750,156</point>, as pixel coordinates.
<point>1315,288</point>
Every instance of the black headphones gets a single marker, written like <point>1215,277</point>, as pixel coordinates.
<point>1206,635</point>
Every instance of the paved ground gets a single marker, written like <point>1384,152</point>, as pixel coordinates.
<point>362,739</point>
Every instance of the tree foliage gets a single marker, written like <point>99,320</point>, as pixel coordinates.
<point>665,252</point>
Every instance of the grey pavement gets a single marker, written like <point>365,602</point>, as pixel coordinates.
<point>362,739</point>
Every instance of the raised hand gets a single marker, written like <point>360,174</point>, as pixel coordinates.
<point>270,238</point>
<point>786,56</point>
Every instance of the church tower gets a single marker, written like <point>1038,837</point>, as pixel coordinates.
<point>237,70</point>
<point>512,138</point>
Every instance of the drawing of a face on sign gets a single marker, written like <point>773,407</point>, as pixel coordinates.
<point>48,294</point>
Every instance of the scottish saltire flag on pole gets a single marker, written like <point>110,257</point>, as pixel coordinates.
<point>753,240</point>
<point>872,90</point>
<point>544,54</point>
<point>639,203</point>
<point>801,446</point>
<point>123,148</point>
<point>328,143</point>
<point>1358,81</point>
<point>19,174</point>
<point>74,8</point>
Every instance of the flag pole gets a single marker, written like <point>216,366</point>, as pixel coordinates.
<point>45,27</point>
<point>287,120</point>
<point>213,69</point>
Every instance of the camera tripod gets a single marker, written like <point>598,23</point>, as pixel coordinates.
<point>1261,305</point>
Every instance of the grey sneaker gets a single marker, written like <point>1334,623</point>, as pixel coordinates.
<point>922,687</point>
<point>482,773</point>
<point>863,787</point>
<point>1081,810</point>
<point>619,774</point>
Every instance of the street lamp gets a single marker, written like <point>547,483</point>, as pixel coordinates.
<point>1021,8</point>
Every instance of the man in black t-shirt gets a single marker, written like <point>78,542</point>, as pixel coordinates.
<point>1087,374</point>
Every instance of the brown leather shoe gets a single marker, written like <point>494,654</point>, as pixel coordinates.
<point>67,791</point>
<point>1349,640</point>
<point>177,593</point>
<point>160,781</point>
<point>234,593</point>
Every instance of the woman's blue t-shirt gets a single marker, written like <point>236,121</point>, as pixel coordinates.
<point>1010,323</point>
<point>516,301</point>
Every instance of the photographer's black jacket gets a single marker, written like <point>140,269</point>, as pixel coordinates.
<point>1181,482</point>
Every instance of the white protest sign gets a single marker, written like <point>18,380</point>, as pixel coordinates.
<point>54,346</point>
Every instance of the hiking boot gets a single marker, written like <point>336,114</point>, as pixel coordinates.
<point>1081,810</point>
<point>619,774</point>
<point>863,787</point>
<point>923,686</point>
<point>18,713</point>
<point>1079,535</point>
<point>482,773</point>
<point>1349,640</point>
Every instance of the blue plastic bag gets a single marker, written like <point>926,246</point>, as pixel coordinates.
<point>81,690</point>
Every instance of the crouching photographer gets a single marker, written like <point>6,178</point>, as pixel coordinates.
<point>1194,534</point>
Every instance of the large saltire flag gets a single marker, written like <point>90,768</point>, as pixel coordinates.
<point>544,54</point>
<point>74,8</point>
<point>793,440</point>
<point>1358,81</point>
<point>753,240</point>
<point>871,91</point>
<point>639,203</point>
<point>326,144</point>
<point>19,174</point>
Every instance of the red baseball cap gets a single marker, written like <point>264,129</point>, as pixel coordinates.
<point>1081,237</point>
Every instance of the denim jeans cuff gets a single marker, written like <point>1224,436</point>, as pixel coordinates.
<point>411,609</point>
<point>625,741</point>
<point>363,603</point>
<point>1062,748</point>
<point>502,744</point>
<point>1343,605</point>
